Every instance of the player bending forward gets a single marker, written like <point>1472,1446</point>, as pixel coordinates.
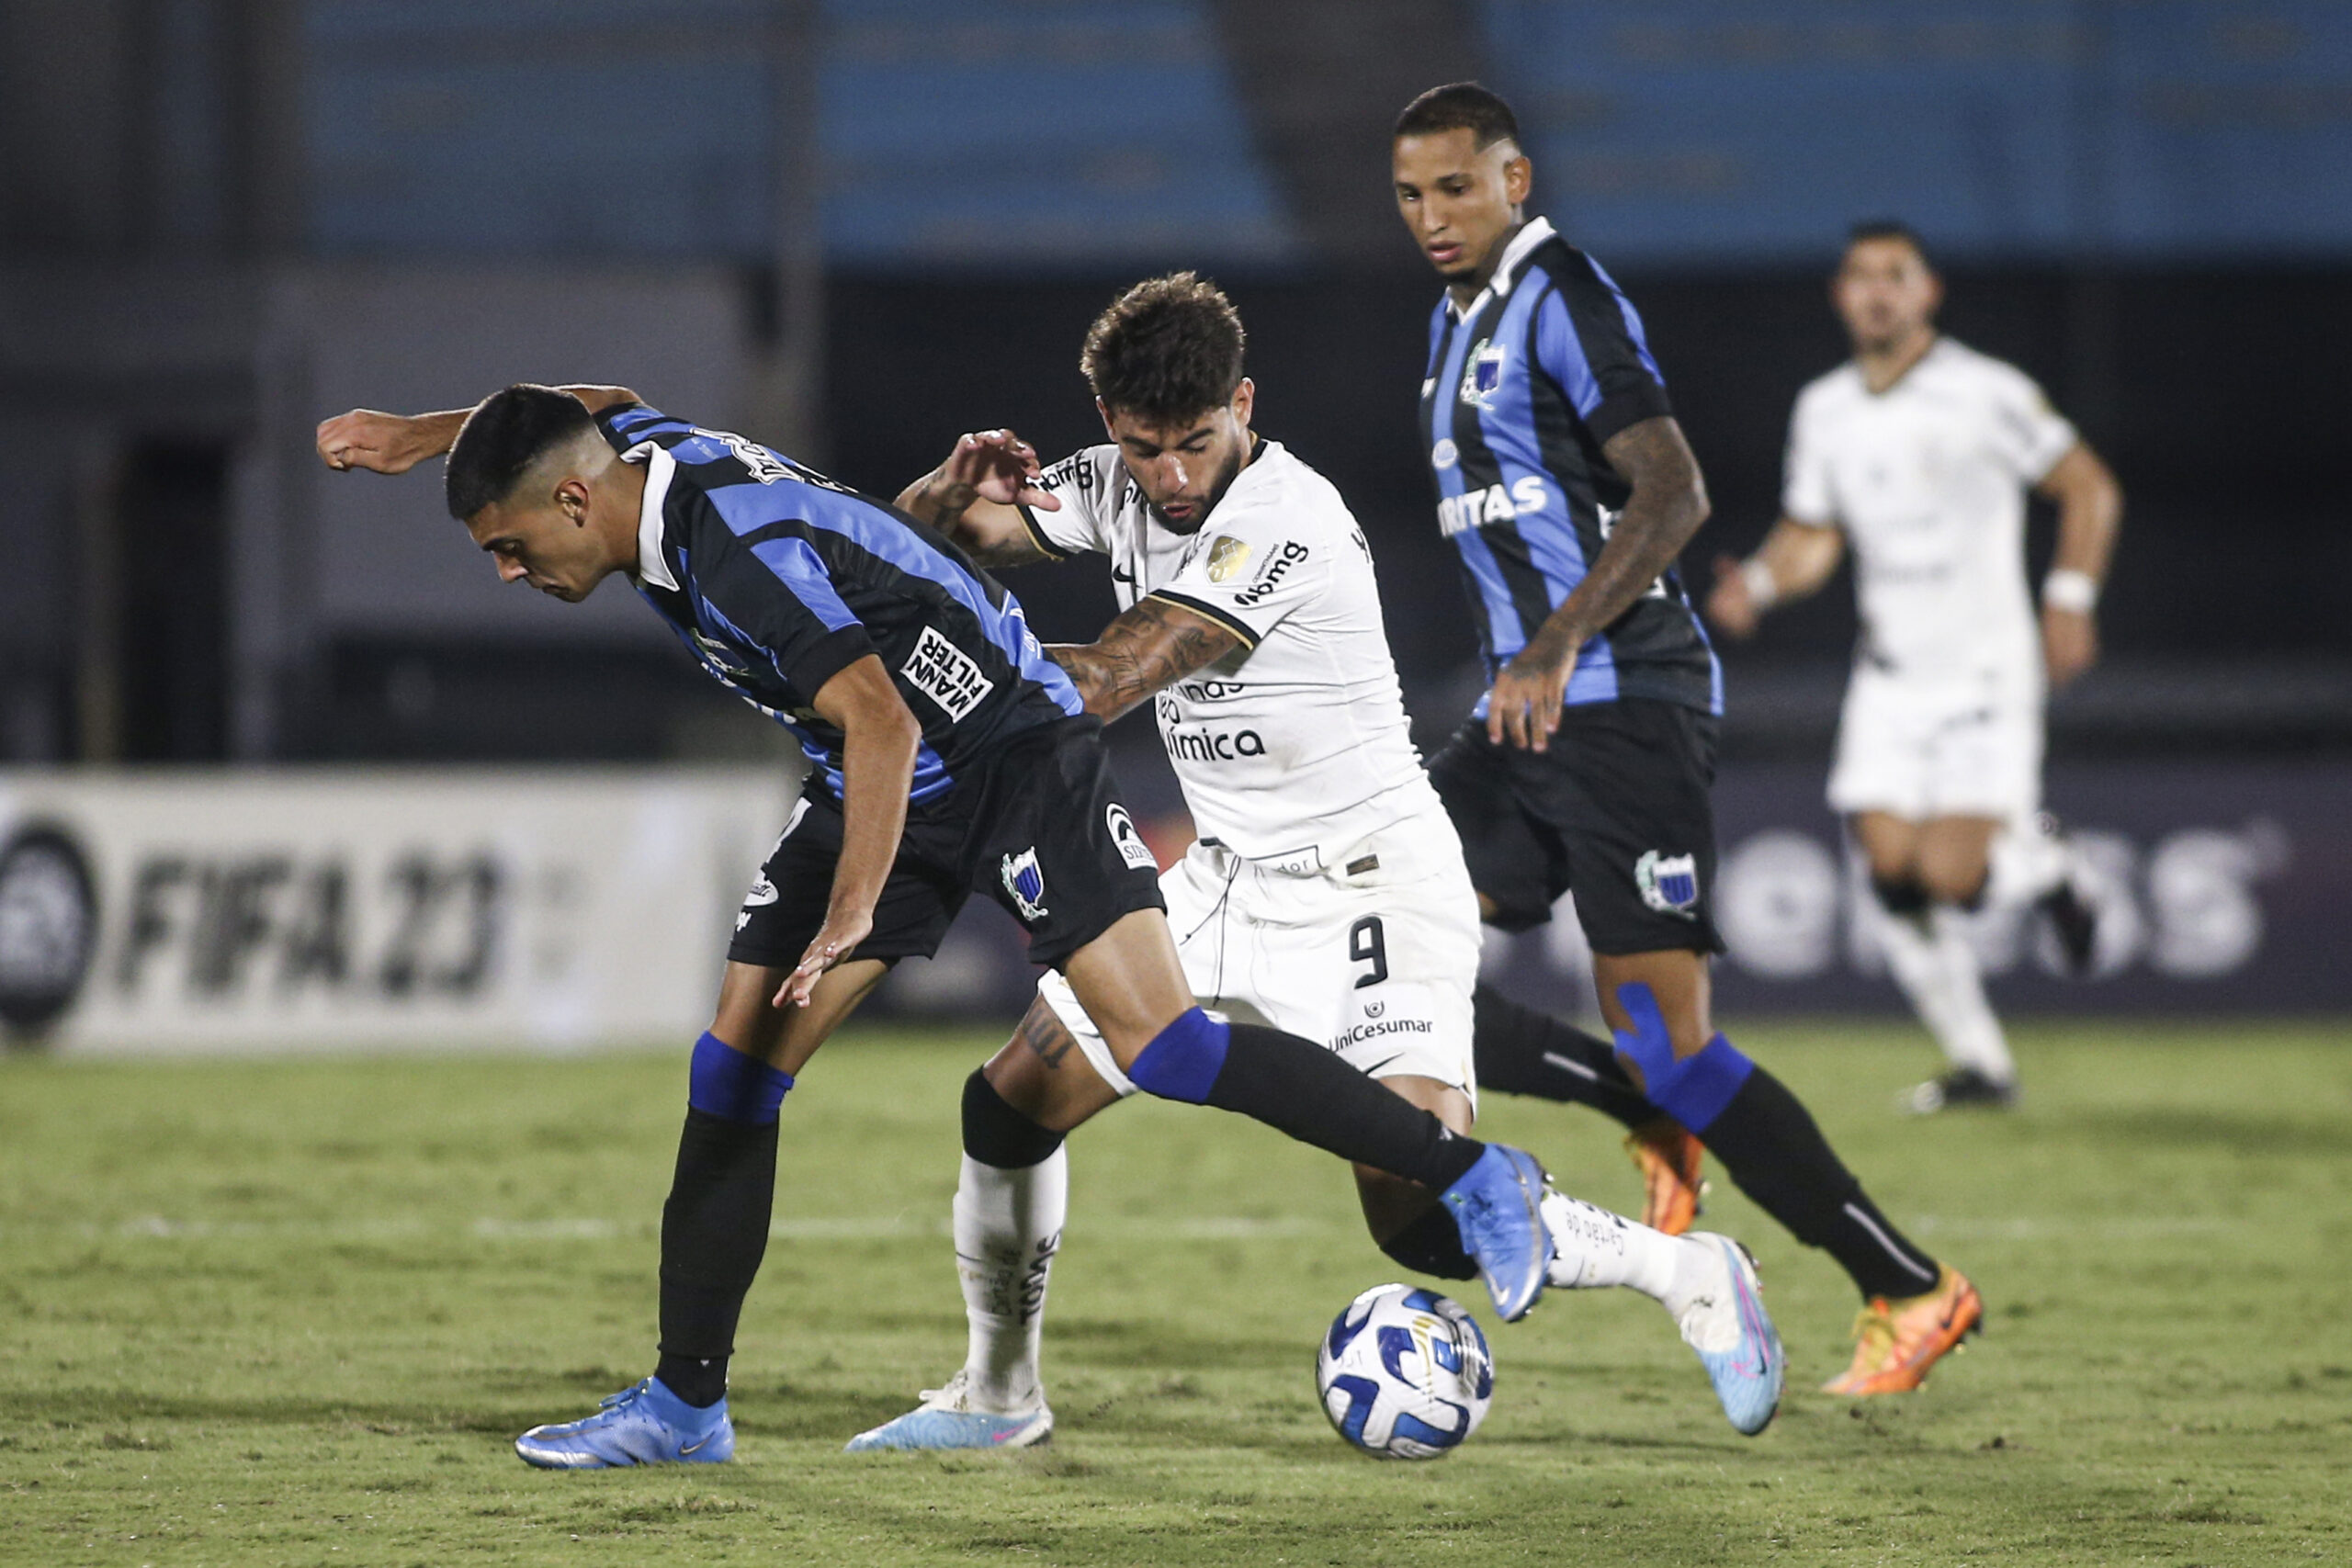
<point>1918,451</point>
<point>1326,894</point>
<point>947,753</point>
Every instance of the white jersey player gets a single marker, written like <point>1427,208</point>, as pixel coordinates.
<point>1326,891</point>
<point>1918,453</point>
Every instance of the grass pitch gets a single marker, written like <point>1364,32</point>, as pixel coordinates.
<point>293,1312</point>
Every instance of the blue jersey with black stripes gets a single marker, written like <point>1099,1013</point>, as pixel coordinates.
<point>777,579</point>
<point>1524,387</point>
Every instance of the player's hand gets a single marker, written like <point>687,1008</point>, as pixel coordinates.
<point>1524,706</point>
<point>1729,605</point>
<point>995,466</point>
<point>837,941</point>
<point>2069,643</point>
<point>364,438</point>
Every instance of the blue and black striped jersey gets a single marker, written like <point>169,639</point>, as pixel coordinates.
<point>777,579</point>
<point>1524,387</point>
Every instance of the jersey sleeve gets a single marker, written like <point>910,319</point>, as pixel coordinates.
<point>1807,495</point>
<point>777,601</point>
<point>2030,435</point>
<point>1588,338</point>
<point>1254,569</point>
<point>1083,487</point>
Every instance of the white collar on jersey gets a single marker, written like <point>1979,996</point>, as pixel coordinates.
<point>659,466</point>
<point>1523,245</point>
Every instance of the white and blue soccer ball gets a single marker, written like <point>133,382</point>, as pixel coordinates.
<point>1405,1373</point>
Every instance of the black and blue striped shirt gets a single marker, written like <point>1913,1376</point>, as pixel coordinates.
<point>777,579</point>
<point>1523,389</point>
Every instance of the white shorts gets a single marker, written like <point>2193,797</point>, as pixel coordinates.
<point>1379,964</point>
<point>1920,750</point>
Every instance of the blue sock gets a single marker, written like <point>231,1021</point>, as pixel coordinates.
<point>1183,1060</point>
<point>1693,1091</point>
<point>727,1083</point>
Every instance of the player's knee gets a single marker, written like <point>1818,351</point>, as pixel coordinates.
<point>1958,880</point>
<point>999,1134</point>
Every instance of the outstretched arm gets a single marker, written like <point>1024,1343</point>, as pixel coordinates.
<point>1668,503</point>
<point>2090,511</point>
<point>393,443</point>
<point>975,498</point>
<point>1152,646</point>
<point>1794,560</point>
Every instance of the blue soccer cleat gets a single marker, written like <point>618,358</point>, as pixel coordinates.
<point>1498,1206</point>
<point>643,1425</point>
<point>1727,1324</point>
<point>943,1421</point>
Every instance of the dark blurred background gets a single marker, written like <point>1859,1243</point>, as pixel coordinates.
<point>856,229</point>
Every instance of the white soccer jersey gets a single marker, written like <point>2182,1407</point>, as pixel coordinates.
<point>1295,745</point>
<point>1927,478</point>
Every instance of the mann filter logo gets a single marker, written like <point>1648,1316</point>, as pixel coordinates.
<point>1482,375</point>
<point>946,674</point>
<point>1669,884</point>
<point>1525,497</point>
<point>48,926</point>
<point>1227,558</point>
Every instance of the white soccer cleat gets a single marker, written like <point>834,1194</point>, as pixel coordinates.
<point>946,1420</point>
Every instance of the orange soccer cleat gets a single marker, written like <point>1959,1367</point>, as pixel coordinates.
<point>1897,1342</point>
<point>1667,1154</point>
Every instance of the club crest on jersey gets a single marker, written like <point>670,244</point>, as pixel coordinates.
<point>1227,558</point>
<point>1669,884</point>
<point>1132,849</point>
<point>1026,880</point>
<point>1482,375</point>
<point>946,673</point>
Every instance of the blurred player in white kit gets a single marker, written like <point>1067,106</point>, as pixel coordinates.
<point>1918,451</point>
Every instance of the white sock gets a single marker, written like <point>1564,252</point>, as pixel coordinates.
<point>1596,1248</point>
<point>1938,971</point>
<point>2027,861</point>
<point>1008,1227</point>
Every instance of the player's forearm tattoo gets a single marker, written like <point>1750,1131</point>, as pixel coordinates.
<point>1152,646</point>
<point>1043,1034</point>
<point>1669,503</point>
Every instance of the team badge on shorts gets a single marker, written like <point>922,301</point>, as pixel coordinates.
<point>1669,884</point>
<point>1026,880</point>
<point>1227,558</point>
<point>1132,849</point>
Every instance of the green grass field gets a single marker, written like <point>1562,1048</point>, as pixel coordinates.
<point>286,1312</point>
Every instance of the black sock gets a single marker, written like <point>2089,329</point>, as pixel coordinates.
<point>714,1232</point>
<point>1521,1051</point>
<point>1773,1151</point>
<point>1432,1244</point>
<point>995,1133</point>
<point>1296,1087</point>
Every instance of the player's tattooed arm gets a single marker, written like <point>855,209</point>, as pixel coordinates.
<point>1668,503</point>
<point>1152,646</point>
<point>975,498</point>
<point>393,443</point>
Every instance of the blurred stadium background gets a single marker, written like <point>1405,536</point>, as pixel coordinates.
<point>279,763</point>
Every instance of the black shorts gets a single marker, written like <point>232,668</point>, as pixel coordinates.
<point>1041,831</point>
<point>1616,811</point>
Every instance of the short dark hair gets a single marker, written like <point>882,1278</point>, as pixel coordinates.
<point>1460,106</point>
<point>1167,349</point>
<point>1887,229</point>
<point>503,437</point>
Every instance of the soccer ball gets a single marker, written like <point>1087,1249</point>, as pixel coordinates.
<point>1405,1373</point>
